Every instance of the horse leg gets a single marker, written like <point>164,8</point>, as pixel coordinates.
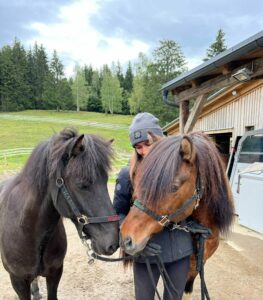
<point>35,290</point>
<point>52,283</point>
<point>21,286</point>
<point>190,279</point>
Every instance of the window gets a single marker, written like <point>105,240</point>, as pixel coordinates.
<point>249,128</point>
<point>252,149</point>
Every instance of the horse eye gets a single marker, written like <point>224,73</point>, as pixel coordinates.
<point>174,188</point>
<point>84,187</point>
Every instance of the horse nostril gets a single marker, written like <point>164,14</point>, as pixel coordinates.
<point>112,249</point>
<point>128,244</point>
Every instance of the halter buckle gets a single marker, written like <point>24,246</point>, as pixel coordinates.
<point>59,182</point>
<point>164,221</point>
<point>83,220</point>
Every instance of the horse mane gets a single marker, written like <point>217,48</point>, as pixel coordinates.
<point>53,155</point>
<point>94,160</point>
<point>157,172</point>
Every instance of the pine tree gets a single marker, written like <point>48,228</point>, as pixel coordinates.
<point>120,74</point>
<point>21,87</point>
<point>94,101</point>
<point>53,87</point>
<point>216,47</point>
<point>128,80</point>
<point>56,67</point>
<point>7,78</point>
<point>169,59</point>
<point>88,71</point>
<point>31,78</point>
<point>15,88</point>
<point>42,74</point>
<point>168,63</point>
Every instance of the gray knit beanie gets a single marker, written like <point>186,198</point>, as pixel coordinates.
<point>141,124</point>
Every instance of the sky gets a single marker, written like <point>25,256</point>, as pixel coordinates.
<point>97,32</point>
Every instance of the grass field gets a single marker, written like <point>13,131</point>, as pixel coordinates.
<point>20,132</point>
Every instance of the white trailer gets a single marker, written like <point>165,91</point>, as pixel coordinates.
<point>247,180</point>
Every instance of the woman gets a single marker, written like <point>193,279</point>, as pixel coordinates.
<point>174,247</point>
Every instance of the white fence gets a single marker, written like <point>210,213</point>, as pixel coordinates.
<point>15,152</point>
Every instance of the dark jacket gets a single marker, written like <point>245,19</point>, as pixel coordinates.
<point>175,244</point>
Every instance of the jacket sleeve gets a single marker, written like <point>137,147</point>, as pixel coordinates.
<point>122,193</point>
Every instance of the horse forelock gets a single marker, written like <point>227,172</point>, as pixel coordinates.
<point>93,161</point>
<point>157,172</point>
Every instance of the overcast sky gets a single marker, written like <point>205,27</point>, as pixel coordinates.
<point>101,31</point>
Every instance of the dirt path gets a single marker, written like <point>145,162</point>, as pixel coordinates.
<point>234,272</point>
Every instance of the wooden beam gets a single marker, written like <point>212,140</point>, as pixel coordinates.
<point>197,109</point>
<point>226,69</point>
<point>194,83</point>
<point>184,113</point>
<point>219,82</point>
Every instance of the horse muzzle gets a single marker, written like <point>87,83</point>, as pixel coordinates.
<point>130,246</point>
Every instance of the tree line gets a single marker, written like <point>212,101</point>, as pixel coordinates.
<point>29,80</point>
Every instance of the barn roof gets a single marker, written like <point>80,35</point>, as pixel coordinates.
<point>243,52</point>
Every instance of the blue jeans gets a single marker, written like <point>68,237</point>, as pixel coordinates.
<point>177,271</point>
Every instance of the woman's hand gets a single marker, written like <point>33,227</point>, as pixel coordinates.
<point>151,249</point>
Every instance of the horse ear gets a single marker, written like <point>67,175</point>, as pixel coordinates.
<point>110,141</point>
<point>187,149</point>
<point>78,147</point>
<point>153,137</point>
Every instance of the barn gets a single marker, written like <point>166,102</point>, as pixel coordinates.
<point>224,98</point>
<point>227,92</point>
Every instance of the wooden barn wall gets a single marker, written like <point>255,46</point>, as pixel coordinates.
<point>246,110</point>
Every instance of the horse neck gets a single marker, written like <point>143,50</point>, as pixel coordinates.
<point>39,213</point>
<point>202,215</point>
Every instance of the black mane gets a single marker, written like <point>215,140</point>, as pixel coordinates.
<point>52,156</point>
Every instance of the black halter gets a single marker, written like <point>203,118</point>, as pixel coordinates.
<point>82,219</point>
<point>167,220</point>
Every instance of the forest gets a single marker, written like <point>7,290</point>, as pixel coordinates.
<point>30,79</point>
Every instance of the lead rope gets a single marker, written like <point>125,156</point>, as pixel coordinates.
<point>151,277</point>
<point>200,234</point>
<point>165,276</point>
<point>200,266</point>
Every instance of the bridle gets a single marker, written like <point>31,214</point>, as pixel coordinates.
<point>167,220</point>
<point>199,232</point>
<point>82,220</point>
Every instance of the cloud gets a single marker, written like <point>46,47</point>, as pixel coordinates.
<point>77,41</point>
<point>15,15</point>
<point>101,31</point>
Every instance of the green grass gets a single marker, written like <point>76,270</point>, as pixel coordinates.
<point>26,129</point>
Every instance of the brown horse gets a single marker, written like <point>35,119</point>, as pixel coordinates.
<point>166,182</point>
<point>65,176</point>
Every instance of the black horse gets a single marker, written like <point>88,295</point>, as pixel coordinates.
<point>65,176</point>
